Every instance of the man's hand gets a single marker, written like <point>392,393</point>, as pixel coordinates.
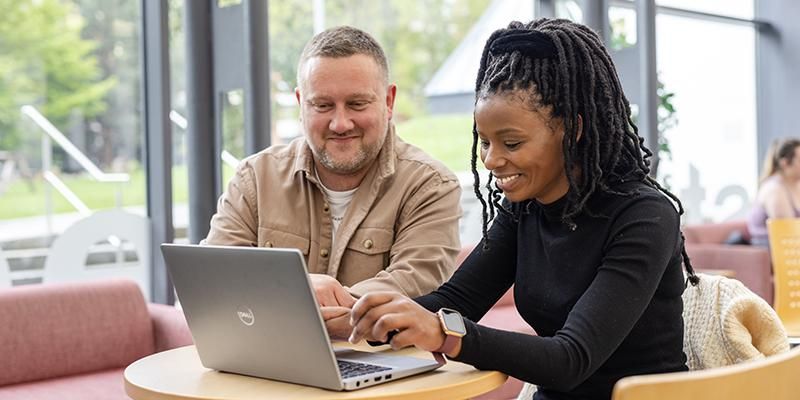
<point>330,293</point>
<point>337,322</point>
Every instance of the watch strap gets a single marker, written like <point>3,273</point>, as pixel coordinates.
<point>449,344</point>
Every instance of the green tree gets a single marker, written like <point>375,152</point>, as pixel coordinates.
<point>45,62</point>
<point>113,25</point>
<point>425,36</point>
<point>290,27</point>
<point>417,36</point>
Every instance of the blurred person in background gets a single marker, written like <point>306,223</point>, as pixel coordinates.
<point>779,189</point>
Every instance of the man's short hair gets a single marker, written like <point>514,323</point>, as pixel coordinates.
<point>344,41</point>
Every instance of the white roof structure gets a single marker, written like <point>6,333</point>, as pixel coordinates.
<point>457,74</point>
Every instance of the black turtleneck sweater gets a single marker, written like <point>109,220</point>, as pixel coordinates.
<point>604,298</point>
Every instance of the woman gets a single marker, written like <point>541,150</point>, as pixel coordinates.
<point>590,241</point>
<point>779,190</point>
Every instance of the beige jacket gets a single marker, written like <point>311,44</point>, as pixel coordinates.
<point>400,232</point>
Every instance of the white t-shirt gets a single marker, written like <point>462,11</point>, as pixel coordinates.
<point>338,203</point>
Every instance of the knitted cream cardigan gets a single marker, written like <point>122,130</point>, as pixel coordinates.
<point>725,323</point>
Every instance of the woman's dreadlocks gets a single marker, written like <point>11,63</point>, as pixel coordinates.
<point>565,66</point>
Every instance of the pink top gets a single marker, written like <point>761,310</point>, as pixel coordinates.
<point>757,222</point>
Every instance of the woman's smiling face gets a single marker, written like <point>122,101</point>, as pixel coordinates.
<point>522,148</point>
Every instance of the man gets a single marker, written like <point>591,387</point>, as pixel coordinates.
<point>368,211</point>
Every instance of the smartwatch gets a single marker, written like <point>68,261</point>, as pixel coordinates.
<point>453,326</point>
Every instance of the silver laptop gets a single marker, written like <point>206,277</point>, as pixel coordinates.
<point>252,311</point>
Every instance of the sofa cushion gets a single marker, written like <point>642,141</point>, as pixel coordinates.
<point>103,385</point>
<point>170,329</point>
<point>506,318</point>
<point>749,264</point>
<point>715,232</point>
<point>54,330</point>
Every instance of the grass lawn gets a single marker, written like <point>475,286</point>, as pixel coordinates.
<point>20,200</point>
<point>23,200</point>
<point>447,138</point>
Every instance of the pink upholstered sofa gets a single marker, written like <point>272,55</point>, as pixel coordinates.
<point>73,341</point>
<point>751,265</point>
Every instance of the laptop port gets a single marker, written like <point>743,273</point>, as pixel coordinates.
<point>358,383</point>
<point>378,378</point>
<point>389,376</point>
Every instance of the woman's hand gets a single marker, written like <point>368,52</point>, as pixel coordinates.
<point>376,314</point>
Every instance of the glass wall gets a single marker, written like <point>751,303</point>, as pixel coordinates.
<point>730,8</point>
<point>71,135</point>
<point>707,108</point>
<point>178,113</point>
<point>710,69</point>
<point>70,126</point>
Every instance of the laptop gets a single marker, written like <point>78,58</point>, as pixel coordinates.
<point>252,311</point>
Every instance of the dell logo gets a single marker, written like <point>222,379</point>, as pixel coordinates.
<point>246,317</point>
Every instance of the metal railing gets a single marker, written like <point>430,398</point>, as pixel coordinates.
<point>229,159</point>
<point>53,134</point>
<point>181,122</point>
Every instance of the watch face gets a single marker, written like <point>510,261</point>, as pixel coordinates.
<point>454,322</point>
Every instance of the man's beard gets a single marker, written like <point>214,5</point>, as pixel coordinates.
<point>363,157</point>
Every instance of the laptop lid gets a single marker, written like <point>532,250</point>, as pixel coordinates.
<point>252,311</point>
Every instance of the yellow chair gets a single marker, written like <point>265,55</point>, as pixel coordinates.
<point>773,378</point>
<point>784,243</point>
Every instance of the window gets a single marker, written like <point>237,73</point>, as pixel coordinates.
<point>710,67</point>
<point>730,8</point>
<point>71,128</point>
<point>706,72</point>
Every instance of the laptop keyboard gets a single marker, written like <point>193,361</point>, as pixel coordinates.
<point>349,369</point>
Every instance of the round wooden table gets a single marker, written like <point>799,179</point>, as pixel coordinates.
<point>178,374</point>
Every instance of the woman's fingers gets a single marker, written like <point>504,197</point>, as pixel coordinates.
<point>419,328</point>
<point>364,327</point>
<point>387,323</point>
<point>416,325</point>
<point>403,339</point>
<point>369,301</point>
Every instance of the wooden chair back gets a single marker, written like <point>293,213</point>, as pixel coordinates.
<point>773,378</point>
<point>784,243</point>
